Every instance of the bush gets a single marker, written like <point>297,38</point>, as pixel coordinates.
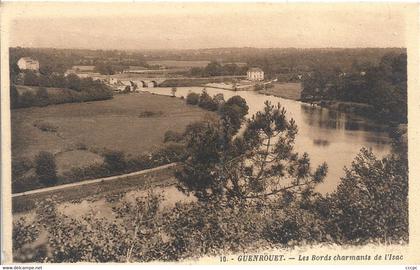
<point>150,114</point>
<point>46,168</point>
<point>172,152</point>
<point>193,98</point>
<point>141,162</point>
<point>20,167</point>
<point>173,136</point>
<point>90,172</point>
<point>295,225</point>
<point>42,97</point>
<point>24,183</point>
<point>240,102</point>
<point>207,102</point>
<point>27,99</point>
<point>219,99</point>
<point>45,126</point>
<point>115,161</point>
<point>30,78</point>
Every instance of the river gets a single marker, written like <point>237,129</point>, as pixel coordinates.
<point>326,135</point>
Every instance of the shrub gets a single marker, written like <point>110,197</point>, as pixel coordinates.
<point>115,161</point>
<point>150,113</point>
<point>193,98</point>
<point>295,225</point>
<point>30,78</point>
<point>24,183</point>
<point>207,102</point>
<point>46,168</point>
<point>45,126</point>
<point>172,152</point>
<point>27,99</point>
<point>141,162</point>
<point>173,136</point>
<point>219,99</point>
<point>21,166</point>
<point>42,97</point>
<point>240,102</point>
<point>90,172</point>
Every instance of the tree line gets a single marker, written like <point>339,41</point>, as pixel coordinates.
<point>214,68</point>
<point>382,85</point>
<point>71,88</point>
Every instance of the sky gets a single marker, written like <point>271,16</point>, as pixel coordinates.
<point>193,26</point>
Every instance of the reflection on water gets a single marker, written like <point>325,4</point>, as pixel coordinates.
<point>326,135</point>
<point>321,142</point>
<point>325,118</point>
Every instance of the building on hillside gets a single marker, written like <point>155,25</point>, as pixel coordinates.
<point>255,74</point>
<point>27,63</point>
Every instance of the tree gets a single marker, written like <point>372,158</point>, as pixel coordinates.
<point>30,78</point>
<point>14,72</point>
<point>240,102</point>
<point>257,165</point>
<point>233,112</point>
<point>46,70</point>
<point>105,69</point>
<point>57,80</point>
<point>173,91</point>
<point>213,69</point>
<point>73,82</point>
<point>207,102</point>
<point>219,99</point>
<point>196,72</point>
<point>193,98</point>
<point>46,168</point>
<point>42,97</point>
<point>371,202</point>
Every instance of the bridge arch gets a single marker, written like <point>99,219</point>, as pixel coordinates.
<point>153,84</point>
<point>143,84</point>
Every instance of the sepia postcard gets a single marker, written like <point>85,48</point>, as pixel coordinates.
<point>210,133</point>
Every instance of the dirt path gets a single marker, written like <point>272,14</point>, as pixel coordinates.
<point>25,201</point>
<point>89,182</point>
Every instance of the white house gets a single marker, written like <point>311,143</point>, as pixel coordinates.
<point>255,74</point>
<point>27,63</point>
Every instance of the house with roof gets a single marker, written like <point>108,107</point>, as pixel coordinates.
<point>27,63</point>
<point>255,74</point>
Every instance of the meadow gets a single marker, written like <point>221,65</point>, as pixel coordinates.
<point>284,90</point>
<point>77,133</point>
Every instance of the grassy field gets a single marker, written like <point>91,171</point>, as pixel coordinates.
<point>75,133</point>
<point>284,90</point>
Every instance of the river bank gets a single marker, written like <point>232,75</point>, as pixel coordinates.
<point>293,91</point>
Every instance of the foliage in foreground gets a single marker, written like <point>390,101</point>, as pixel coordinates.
<point>141,230</point>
